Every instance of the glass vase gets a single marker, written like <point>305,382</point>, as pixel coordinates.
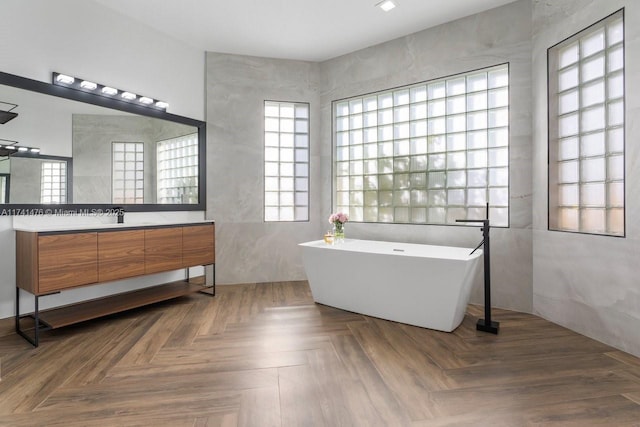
<point>338,232</point>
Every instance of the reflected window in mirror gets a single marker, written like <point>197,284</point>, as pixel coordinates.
<point>177,170</point>
<point>4,188</point>
<point>128,172</point>
<point>53,182</point>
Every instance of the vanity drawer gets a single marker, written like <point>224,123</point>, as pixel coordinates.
<point>162,249</point>
<point>66,261</point>
<point>120,255</point>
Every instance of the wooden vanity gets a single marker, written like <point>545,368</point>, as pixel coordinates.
<point>49,261</point>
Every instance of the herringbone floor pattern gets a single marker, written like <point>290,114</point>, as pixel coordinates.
<point>265,355</point>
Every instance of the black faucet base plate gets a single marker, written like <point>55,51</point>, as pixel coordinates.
<point>492,327</point>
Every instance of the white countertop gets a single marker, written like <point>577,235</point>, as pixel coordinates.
<point>44,228</point>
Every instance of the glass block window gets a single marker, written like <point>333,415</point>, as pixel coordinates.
<point>53,182</point>
<point>127,172</point>
<point>428,153</point>
<point>586,130</point>
<point>177,174</point>
<point>286,161</point>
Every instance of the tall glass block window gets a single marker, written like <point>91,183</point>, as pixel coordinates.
<point>177,173</point>
<point>586,130</point>
<point>53,182</point>
<point>286,161</point>
<point>127,172</point>
<point>428,153</point>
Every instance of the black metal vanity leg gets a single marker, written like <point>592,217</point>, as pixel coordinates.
<point>17,309</point>
<point>214,280</point>
<point>36,317</point>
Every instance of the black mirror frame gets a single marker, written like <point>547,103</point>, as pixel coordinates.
<point>112,103</point>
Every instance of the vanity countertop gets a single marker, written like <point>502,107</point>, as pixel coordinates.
<point>66,228</point>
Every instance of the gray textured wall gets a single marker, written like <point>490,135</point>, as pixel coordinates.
<point>25,180</point>
<point>250,250</point>
<point>584,282</point>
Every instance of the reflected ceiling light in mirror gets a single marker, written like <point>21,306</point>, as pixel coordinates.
<point>107,91</point>
<point>386,5</point>
<point>9,147</point>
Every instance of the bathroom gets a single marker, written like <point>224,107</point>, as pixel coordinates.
<point>581,281</point>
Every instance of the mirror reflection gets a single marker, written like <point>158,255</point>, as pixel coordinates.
<point>116,157</point>
<point>40,178</point>
<point>128,159</point>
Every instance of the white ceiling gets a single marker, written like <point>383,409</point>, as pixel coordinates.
<point>312,30</point>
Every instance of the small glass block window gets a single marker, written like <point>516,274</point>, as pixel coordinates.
<point>177,170</point>
<point>53,182</point>
<point>286,161</point>
<point>586,130</point>
<point>127,172</point>
<point>428,153</point>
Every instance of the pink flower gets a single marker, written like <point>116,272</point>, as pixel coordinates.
<point>338,217</point>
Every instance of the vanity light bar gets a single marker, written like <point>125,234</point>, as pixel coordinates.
<point>107,91</point>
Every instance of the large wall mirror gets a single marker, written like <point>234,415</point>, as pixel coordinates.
<point>97,152</point>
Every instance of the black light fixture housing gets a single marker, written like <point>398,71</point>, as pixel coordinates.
<point>5,116</point>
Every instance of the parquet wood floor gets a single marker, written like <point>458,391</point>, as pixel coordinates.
<point>266,355</point>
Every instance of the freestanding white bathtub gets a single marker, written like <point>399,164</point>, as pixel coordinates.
<point>421,285</point>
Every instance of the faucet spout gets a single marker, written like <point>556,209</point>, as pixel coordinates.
<point>120,215</point>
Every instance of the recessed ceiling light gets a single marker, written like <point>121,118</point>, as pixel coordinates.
<point>146,100</point>
<point>386,5</point>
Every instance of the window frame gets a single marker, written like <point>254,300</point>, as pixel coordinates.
<point>480,210</point>
<point>553,140</point>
